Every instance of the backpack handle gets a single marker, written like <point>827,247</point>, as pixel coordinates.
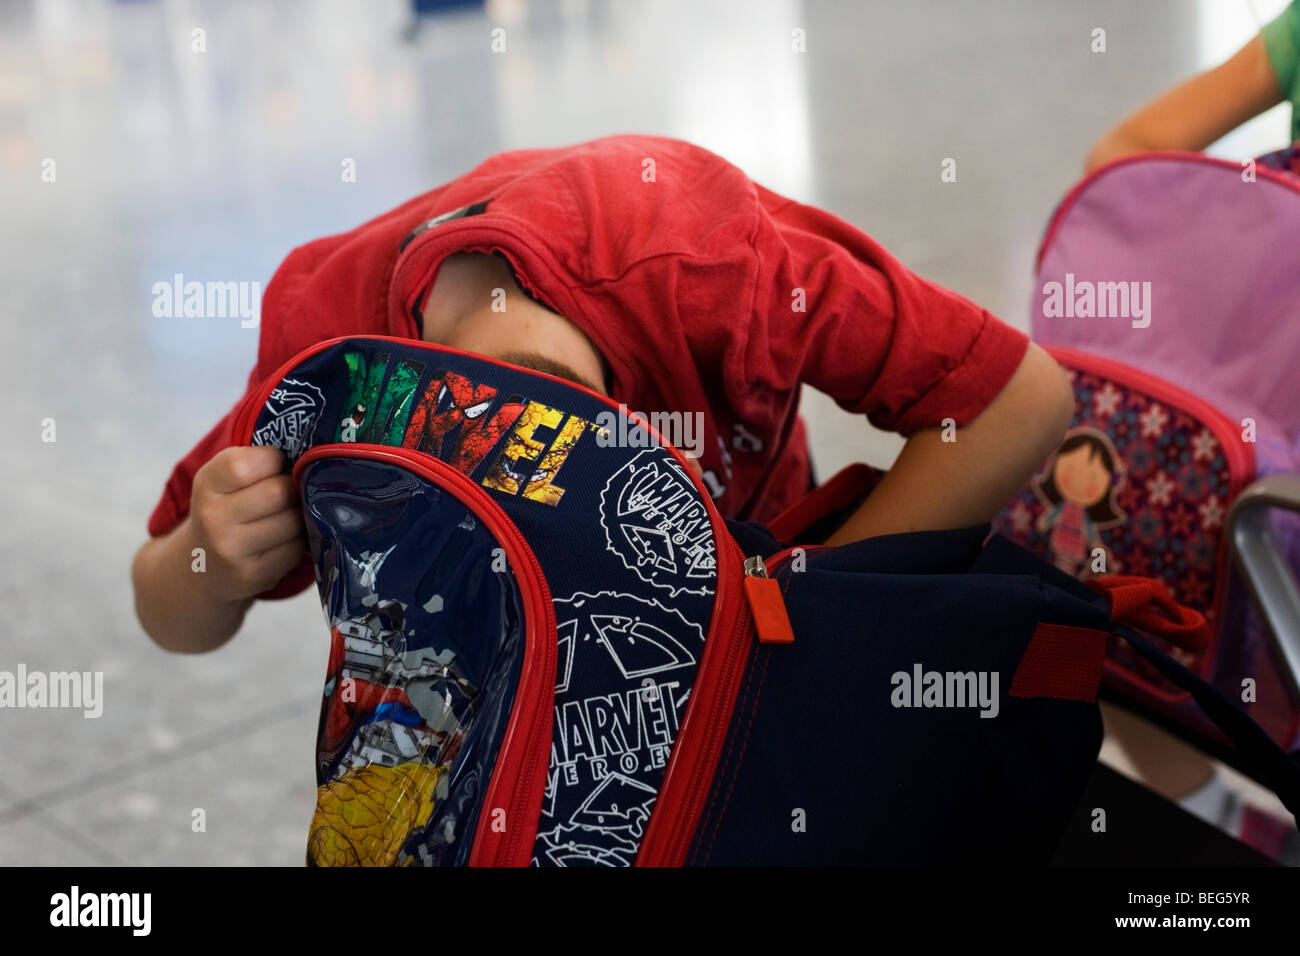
<point>846,487</point>
<point>1259,755</point>
<point>1266,761</point>
<point>1147,603</point>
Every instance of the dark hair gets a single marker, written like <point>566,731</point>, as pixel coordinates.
<point>540,363</point>
<point>1106,511</point>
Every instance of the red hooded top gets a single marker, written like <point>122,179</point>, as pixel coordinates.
<point>703,290</point>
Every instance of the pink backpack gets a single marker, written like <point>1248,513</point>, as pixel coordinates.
<point>1167,285</point>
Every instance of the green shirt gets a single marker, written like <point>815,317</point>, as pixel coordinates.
<point>1282,41</point>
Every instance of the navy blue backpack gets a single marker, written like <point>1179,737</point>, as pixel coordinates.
<point>547,647</point>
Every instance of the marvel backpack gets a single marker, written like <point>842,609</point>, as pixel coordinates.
<point>1157,288</point>
<point>547,647</point>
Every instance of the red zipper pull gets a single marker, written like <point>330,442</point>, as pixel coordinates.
<point>768,607</point>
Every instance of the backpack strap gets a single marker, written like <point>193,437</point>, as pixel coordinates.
<point>1065,661</point>
<point>1148,604</point>
<point>846,487</point>
<point>1260,755</point>
<point>1139,605</point>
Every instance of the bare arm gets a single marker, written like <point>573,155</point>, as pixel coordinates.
<point>1197,112</point>
<point>936,485</point>
<point>175,605</point>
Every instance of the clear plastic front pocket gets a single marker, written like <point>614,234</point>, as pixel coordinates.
<point>427,628</point>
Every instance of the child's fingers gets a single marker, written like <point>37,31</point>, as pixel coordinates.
<point>267,497</point>
<point>270,566</point>
<point>231,469</point>
<point>270,532</point>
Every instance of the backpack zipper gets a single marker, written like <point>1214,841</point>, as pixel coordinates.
<point>689,775</point>
<point>766,606</point>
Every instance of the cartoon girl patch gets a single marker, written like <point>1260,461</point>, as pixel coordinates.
<point>1078,489</point>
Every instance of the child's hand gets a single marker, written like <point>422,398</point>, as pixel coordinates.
<point>245,515</point>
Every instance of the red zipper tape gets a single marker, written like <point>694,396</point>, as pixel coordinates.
<point>694,760</point>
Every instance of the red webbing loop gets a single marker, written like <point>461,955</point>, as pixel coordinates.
<point>1148,605</point>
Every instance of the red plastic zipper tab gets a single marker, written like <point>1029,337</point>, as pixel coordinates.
<point>764,595</point>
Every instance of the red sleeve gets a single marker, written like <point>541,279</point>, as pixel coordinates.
<point>280,337</point>
<point>872,335</point>
<point>336,285</point>
<point>174,505</point>
<point>283,332</point>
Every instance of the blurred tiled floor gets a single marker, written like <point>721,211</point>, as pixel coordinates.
<point>216,164</point>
